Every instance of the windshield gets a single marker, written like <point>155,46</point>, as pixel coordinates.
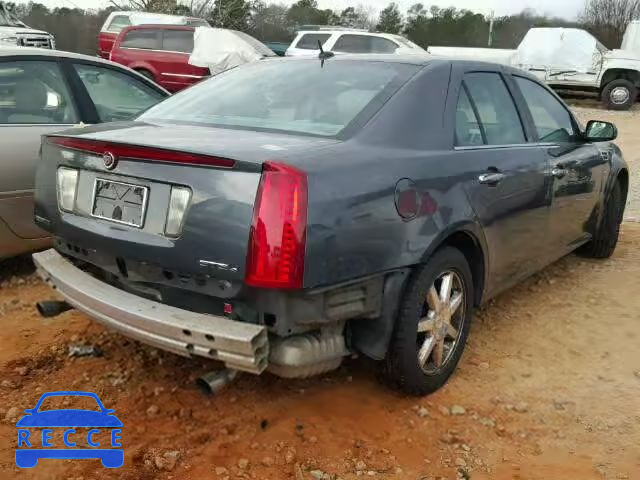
<point>8,19</point>
<point>287,95</point>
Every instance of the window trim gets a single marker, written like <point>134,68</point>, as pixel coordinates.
<point>58,61</point>
<point>525,105</point>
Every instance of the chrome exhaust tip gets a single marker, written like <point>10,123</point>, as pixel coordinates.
<point>212,382</point>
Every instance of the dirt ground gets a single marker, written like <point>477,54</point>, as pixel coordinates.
<point>548,388</point>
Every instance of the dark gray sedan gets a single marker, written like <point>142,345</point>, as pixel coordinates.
<point>44,91</point>
<point>285,214</point>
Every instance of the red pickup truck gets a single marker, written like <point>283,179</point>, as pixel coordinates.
<point>161,53</point>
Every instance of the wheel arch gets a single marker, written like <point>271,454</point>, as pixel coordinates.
<point>467,238</point>
<point>623,179</point>
<point>624,73</point>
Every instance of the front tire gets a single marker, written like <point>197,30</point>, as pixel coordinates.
<point>432,324</point>
<point>619,94</point>
<point>604,241</point>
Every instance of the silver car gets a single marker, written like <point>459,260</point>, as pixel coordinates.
<point>43,91</point>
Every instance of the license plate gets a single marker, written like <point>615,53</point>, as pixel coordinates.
<point>119,202</point>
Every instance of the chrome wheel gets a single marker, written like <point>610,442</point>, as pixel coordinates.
<point>440,326</point>
<point>620,95</point>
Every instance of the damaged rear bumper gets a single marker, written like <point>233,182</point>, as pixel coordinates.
<point>241,346</point>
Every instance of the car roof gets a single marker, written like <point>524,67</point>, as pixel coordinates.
<point>43,52</point>
<point>350,32</point>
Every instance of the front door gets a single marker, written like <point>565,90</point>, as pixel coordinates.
<point>577,168</point>
<point>509,189</point>
<point>34,101</point>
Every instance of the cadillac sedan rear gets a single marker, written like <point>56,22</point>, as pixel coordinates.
<point>191,228</point>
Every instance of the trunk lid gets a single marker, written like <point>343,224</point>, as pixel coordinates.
<point>215,229</point>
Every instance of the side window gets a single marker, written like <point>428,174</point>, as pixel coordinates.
<point>145,39</point>
<point>468,131</point>
<point>551,119</point>
<point>34,92</point>
<point>116,95</point>
<point>309,41</point>
<point>118,23</point>
<point>382,45</point>
<point>177,41</point>
<point>496,111</point>
<point>353,44</point>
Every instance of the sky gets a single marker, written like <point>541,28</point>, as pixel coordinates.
<point>560,8</point>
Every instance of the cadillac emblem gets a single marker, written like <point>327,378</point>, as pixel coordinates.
<point>110,161</point>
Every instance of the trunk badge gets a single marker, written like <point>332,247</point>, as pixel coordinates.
<point>110,160</point>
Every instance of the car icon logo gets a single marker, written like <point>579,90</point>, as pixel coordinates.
<point>110,160</point>
<point>29,451</point>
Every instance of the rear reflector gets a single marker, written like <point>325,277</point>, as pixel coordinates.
<point>142,153</point>
<point>275,258</point>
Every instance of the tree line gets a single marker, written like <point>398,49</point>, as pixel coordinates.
<point>77,29</point>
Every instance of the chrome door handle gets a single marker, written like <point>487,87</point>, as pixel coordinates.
<point>491,179</point>
<point>558,172</point>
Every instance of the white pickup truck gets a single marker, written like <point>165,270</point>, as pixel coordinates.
<point>15,33</point>
<point>571,59</point>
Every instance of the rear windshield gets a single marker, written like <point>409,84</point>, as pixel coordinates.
<point>297,96</point>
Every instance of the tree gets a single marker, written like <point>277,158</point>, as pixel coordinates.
<point>356,17</point>
<point>306,12</point>
<point>390,20</point>
<point>234,14</point>
<point>608,19</point>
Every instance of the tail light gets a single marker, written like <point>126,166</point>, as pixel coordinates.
<point>118,150</point>
<point>277,239</point>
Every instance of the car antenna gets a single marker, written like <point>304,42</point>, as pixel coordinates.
<point>323,55</point>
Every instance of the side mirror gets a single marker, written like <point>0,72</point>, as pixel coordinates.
<point>29,410</point>
<point>108,411</point>
<point>598,131</point>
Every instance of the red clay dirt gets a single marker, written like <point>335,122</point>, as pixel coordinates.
<point>549,388</point>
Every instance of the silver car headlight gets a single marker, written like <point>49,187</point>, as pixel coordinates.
<point>67,186</point>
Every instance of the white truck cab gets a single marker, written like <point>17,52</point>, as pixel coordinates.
<point>349,40</point>
<point>14,33</point>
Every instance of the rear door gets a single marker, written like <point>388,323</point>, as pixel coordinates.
<point>577,168</point>
<point>140,49</point>
<point>509,191</point>
<point>173,67</point>
<point>35,100</point>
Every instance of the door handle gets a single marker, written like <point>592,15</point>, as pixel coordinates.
<point>491,179</point>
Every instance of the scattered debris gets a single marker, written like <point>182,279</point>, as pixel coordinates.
<point>83,350</point>
<point>458,410</point>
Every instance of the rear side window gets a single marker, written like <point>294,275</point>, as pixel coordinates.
<point>116,95</point>
<point>177,41</point>
<point>309,41</point>
<point>364,44</point>
<point>291,96</point>
<point>145,39</point>
<point>551,119</point>
<point>118,23</point>
<point>497,115</point>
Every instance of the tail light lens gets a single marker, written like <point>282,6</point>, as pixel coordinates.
<point>275,257</point>
<point>67,185</point>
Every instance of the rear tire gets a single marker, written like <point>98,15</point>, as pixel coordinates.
<point>604,242</point>
<point>619,94</point>
<point>421,324</point>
